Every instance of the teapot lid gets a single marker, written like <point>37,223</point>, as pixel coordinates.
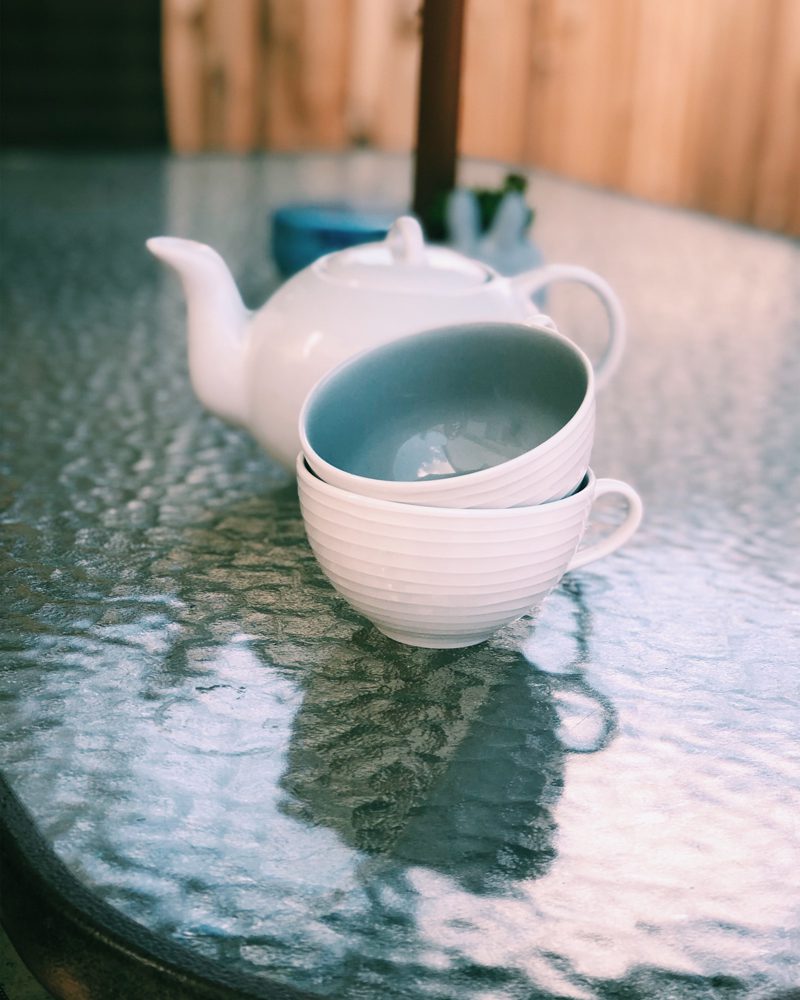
<point>404,263</point>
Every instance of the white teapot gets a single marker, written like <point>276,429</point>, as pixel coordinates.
<point>254,369</point>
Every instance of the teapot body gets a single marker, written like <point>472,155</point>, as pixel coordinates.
<point>311,325</point>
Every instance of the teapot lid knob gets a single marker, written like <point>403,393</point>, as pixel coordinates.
<point>406,241</point>
<point>403,263</point>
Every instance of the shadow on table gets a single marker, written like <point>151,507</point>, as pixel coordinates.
<point>448,759</point>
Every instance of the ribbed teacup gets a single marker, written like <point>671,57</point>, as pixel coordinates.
<point>444,578</point>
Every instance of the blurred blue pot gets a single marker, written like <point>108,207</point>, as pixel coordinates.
<point>303,232</point>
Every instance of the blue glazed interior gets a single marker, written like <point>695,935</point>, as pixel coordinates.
<point>446,403</point>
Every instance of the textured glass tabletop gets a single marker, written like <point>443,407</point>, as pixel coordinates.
<point>602,802</point>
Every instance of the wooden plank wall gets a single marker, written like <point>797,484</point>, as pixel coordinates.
<point>690,102</point>
<point>249,74</point>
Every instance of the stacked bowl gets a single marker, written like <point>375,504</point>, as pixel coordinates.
<point>444,479</point>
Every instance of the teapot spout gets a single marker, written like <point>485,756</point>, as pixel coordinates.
<point>217,325</point>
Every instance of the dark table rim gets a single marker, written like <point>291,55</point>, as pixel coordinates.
<point>68,937</point>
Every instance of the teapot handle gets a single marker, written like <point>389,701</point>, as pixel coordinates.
<point>531,282</point>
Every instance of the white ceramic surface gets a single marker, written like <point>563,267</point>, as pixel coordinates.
<point>441,578</point>
<point>550,470</point>
<point>254,369</point>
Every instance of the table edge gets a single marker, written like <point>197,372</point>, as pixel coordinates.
<point>69,938</point>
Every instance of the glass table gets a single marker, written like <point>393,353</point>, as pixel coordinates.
<point>219,781</point>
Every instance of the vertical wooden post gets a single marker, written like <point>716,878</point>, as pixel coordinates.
<point>437,117</point>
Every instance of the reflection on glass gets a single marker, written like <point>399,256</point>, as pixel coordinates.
<point>452,759</point>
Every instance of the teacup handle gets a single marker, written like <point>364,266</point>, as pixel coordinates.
<point>621,533</point>
<point>531,282</point>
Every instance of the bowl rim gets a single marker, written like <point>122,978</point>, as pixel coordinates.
<point>310,480</point>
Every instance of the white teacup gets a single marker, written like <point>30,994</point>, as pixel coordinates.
<point>475,415</point>
<point>444,578</point>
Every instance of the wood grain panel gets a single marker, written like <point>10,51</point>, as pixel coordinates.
<point>691,102</point>
<point>306,51</point>
<point>665,135</point>
<point>496,79</point>
<point>384,73</point>
<point>736,63</point>
<point>184,49</point>
<point>581,87</point>
<point>233,76</point>
<point>776,192</point>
